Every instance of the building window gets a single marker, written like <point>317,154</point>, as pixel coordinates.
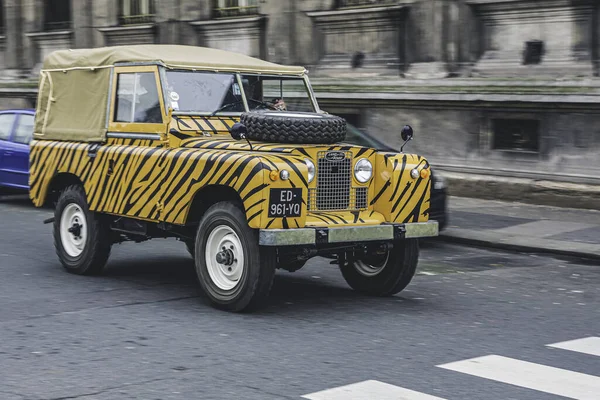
<point>133,12</point>
<point>1,17</point>
<point>534,50</point>
<point>57,15</point>
<point>362,3</point>
<point>234,8</point>
<point>521,135</point>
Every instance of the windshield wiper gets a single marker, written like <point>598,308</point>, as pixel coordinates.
<point>224,107</point>
<point>262,103</point>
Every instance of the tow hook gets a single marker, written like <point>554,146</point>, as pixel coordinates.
<point>49,220</point>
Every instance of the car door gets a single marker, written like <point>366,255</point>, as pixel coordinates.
<point>7,122</point>
<point>129,173</point>
<point>17,158</point>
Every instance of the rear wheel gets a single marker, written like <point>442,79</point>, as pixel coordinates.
<point>234,271</point>
<point>82,238</point>
<point>385,274</point>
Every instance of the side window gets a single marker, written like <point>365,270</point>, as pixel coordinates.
<point>137,98</point>
<point>6,123</point>
<point>24,130</point>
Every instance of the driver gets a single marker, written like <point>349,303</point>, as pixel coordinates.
<point>278,104</point>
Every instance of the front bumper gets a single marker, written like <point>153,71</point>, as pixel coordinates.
<point>349,234</point>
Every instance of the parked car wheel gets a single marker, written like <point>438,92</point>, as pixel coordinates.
<point>383,275</point>
<point>82,238</point>
<point>234,271</point>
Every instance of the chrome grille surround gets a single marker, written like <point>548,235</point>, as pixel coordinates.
<point>334,190</point>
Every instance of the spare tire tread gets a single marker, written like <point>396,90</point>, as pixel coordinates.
<point>297,127</point>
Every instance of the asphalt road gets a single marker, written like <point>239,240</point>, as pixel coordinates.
<point>143,331</point>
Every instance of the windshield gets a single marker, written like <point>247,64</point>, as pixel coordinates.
<point>207,92</point>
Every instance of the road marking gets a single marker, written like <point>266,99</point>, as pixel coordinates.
<point>588,345</point>
<point>529,375</point>
<point>368,390</point>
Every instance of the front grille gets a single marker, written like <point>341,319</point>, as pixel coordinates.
<point>334,185</point>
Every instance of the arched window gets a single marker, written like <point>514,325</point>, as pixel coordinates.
<point>133,12</point>
<point>234,8</point>
<point>57,15</point>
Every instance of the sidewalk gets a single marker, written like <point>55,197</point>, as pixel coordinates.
<point>524,227</point>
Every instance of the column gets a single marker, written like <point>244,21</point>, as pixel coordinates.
<point>82,15</point>
<point>432,32</point>
<point>13,25</point>
<point>167,21</point>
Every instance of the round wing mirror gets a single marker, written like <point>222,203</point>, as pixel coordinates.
<point>406,133</point>
<point>238,131</point>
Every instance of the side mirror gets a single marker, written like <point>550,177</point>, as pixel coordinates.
<point>406,133</point>
<point>238,131</point>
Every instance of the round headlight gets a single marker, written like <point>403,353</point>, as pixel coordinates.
<point>311,169</point>
<point>284,174</point>
<point>363,170</point>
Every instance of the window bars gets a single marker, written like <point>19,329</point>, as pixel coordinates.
<point>132,12</point>
<point>234,8</point>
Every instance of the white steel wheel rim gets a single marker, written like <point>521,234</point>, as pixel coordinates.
<point>73,230</point>
<point>370,270</point>
<point>223,240</point>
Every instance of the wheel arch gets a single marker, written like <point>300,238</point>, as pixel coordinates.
<point>206,197</point>
<point>58,182</point>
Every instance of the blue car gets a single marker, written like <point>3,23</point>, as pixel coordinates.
<point>16,130</point>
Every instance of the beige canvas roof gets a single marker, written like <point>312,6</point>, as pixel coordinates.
<point>75,84</point>
<point>173,56</point>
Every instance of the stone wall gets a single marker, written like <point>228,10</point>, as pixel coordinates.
<point>454,69</point>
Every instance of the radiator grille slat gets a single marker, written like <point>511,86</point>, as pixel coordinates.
<point>334,190</point>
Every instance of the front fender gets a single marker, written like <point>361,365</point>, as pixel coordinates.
<point>399,197</point>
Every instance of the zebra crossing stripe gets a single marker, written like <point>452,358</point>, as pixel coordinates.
<point>369,390</point>
<point>588,345</point>
<point>529,375</point>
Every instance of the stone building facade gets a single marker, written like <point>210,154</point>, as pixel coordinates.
<point>492,87</point>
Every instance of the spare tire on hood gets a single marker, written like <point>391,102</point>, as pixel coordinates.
<point>294,127</point>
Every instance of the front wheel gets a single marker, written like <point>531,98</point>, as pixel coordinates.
<point>385,274</point>
<point>234,271</point>
<point>81,237</point>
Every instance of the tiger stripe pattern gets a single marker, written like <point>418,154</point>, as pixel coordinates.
<point>143,180</point>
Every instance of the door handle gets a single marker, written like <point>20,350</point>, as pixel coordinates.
<point>8,153</point>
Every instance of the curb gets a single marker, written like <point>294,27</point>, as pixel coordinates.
<point>517,243</point>
<point>524,190</point>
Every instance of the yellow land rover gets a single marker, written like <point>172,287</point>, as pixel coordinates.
<point>229,154</point>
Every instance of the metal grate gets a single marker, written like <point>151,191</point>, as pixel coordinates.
<point>334,178</point>
<point>357,200</point>
<point>360,202</point>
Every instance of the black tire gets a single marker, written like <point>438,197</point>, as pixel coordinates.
<point>254,284</point>
<point>97,242</point>
<point>399,267</point>
<point>294,127</point>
